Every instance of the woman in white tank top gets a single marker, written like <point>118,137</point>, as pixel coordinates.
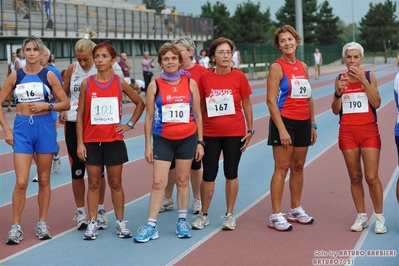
<point>318,60</point>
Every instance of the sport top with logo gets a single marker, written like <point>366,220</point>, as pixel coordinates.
<point>294,91</point>
<point>356,109</point>
<point>32,88</point>
<point>196,72</point>
<point>77,77</point>
<point>396,95</point>
<point>173,117</point>
<point>223,95</point>
<point>103,110</point>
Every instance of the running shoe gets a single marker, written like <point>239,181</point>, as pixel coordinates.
<point>102,220</point>
<point>298,215</point>
<point>15,235</point>
<point>81,220</point>
<point>229,222</point>
<point>42,231</point>
<point>196,206</point>
<point>277,221</point>
<point>146,233</point>
<point>183,229</point>
<point>121,229</point>
<point>167,205</point>
<point>201,221</point>
<point>91,230</point>
<point>56,165</point>
<point>380,227</point>
<point>360,223</point>
<point>35,178</point>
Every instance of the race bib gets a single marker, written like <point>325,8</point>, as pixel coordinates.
<point>353,103</point>
<point>220,105</point>
<point>176,112</point>
<point>300,89</point>
<point>104,111</point>
<point>29,92</point>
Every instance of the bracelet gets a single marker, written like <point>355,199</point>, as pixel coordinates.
<point>314,126</point>
<point>336,95</point>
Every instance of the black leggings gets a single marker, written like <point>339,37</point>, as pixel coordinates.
<point>230,146</point>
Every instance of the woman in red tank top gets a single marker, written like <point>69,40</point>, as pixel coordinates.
<point>100,135</point>
<point>355,99</point>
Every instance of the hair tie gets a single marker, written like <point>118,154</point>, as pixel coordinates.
<point>87,36</point>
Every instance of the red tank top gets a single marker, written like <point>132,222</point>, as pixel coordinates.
<point>96,94</point>
<point>168,105</point>
<point>355,107</point>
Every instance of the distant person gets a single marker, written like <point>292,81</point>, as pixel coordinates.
<point>27,9</point>
<point>318,61</point>
<point>236,60</point>
<point>204,59</point>
<point>47,8</point>
<point>137,84</point>
<point>126,67</point>
<point>175,16</point>
<point>52,60</point>
<point>358,138</point>
<point>397,57</point>
<point>165,16</point>
<point>10,69</point>
<point>147,66</point>
<point>19,62</point>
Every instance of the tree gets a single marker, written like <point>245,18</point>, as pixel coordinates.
<point>379,25</point>
<point>220,16</point>
<point>327,30</point>
<point>286,15</point>
<point>249,24</point>
<point>154,4</point>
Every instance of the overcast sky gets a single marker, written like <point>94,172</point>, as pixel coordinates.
<point>341,8</point>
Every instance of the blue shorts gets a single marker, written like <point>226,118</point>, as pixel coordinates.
<point>35,134</point>
<point>54,114</point>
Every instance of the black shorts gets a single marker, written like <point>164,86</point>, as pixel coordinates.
<point>194,165</point>
<point>167,149</point>
<point>106,153</point>
<point>299,130</point>
<point>230,146</point>
<point>78,167</point>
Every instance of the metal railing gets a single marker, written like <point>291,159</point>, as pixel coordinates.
<point>108,22</point>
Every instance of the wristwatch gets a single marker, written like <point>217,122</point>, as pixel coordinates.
<point>201,142</point>
<point>50,107</point>
<point>252,131</point>
<point>130,124</point>
<point>336,95</point>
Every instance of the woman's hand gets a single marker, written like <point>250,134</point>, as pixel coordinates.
<point>342,83</point>
<point>81,152</point>
<point>149,155</point>
<point>246,139</point>
<point>285,139</point>
<point>199,153</point>
<point>62,117</point>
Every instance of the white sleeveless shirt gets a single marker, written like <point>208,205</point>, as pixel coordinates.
<point>77,77</point>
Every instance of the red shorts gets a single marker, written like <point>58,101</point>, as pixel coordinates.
<point>363,136</point>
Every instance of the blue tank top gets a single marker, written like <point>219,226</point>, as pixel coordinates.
<point>32,88</point>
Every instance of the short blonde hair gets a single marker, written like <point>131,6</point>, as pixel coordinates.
<point>352,46</point>
<point>36,41</point>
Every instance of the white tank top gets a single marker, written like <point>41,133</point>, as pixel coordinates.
<point>317,58</point>
<point>235,59</point>
<point>78,75</point>
<point>21,62</point>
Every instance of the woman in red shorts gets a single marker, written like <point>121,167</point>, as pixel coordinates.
<point>356,99</point>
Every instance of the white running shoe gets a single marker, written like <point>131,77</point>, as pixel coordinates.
<point>277,221</point>
<point>201,221</point>
<point>102,220</point>
<point>380,227</point>
<point>81,220</point>
<point>360,223</point>
<point>298,215</point>
<point>56,165</point>
<point>229,222</point>
<point>167,205</point>
<point>121,229</point>
<point>196,206</point>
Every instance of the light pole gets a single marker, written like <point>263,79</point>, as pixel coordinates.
<point>353,24</point>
